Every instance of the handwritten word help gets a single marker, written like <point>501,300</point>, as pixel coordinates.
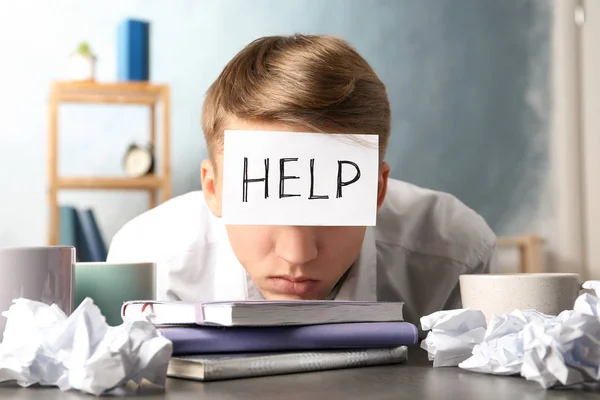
<point>282,177</point>
<point>297,178</point>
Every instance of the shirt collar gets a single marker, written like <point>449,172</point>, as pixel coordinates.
<point>361,282</point>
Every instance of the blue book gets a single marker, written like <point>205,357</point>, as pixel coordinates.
<point>67,235</point>
<point>189,340</point>
<point>89,239</point>
<point>70,231</point>
<point>133,50</point>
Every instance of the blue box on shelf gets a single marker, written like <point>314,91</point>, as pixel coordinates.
<point>133,50</point>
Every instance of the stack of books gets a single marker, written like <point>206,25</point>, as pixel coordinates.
<point>227,340</point>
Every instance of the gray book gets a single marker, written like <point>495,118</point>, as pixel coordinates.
<point>214,367</point>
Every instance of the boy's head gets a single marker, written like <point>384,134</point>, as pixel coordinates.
<point>294,83</point>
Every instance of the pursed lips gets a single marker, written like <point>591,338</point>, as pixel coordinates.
<point>298,285</point>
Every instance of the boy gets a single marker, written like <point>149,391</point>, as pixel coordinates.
<point>423,239</point>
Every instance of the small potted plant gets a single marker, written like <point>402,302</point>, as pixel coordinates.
<point>82,63</point>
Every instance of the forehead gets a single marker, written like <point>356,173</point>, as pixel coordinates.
<point>256,125</point>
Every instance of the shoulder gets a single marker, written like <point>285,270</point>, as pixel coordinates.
<point>433,223</point>
<point>176,226</point>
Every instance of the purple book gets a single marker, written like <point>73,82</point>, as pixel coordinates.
<point>190,340</point>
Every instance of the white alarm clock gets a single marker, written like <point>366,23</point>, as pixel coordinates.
<point>138,160</point>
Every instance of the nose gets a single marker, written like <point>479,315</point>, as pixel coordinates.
<point>296,245</point>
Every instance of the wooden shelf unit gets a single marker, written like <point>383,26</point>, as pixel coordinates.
<point>140,93</point>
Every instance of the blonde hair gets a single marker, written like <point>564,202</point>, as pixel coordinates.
<point>318,82</point>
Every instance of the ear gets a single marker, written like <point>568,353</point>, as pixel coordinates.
<point>211,187</point>
<point>384,172</point>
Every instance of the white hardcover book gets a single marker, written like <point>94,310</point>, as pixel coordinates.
<point>262,313</point>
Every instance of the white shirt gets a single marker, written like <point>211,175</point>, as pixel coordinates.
<point>422,242</point>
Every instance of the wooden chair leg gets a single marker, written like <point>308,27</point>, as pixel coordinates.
<point>530,251</point>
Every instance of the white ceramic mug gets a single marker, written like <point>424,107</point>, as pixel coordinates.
<point>43,274</point>
<point>548,293</point>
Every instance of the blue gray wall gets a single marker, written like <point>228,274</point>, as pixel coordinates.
<point>469,85</point>
<point>468,81</point>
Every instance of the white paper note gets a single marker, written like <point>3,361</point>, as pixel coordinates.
<point>297,178</point>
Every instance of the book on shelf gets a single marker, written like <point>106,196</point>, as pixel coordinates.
<point>91,238</point>
<point>79,228</point>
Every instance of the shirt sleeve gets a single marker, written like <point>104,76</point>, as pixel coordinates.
<point>118,249</point>
<point>488,264</point>
<point>128,246</point>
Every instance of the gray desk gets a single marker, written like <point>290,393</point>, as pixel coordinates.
<point>415,380</point>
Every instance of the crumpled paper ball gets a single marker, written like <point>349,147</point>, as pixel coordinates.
<point>563,353</point>
<point>453,335</point>
<point>501,350</point>
<point>43,346</point>
<point>555,351</point>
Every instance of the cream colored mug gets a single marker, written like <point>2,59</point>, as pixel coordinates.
<point>548,293</point>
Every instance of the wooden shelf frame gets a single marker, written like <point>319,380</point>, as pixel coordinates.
<point>109,182</point>
<point>109,93</point>
<point>140,93</point>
